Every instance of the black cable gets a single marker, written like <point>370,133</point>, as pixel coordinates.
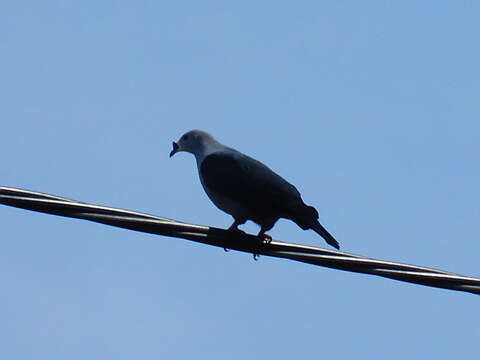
<point>235,240</point>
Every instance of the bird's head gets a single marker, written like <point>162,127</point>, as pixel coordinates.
<point>193,141</point>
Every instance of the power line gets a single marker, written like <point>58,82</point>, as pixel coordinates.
<point>235,240</point>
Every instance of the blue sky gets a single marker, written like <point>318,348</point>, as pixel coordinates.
<point>370,108</point>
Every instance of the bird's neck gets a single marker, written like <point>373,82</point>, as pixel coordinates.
<point>206,150</point>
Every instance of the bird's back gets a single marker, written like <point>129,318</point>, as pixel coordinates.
<point>258,191</point>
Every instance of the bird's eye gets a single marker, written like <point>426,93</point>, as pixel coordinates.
<point>185,137</point>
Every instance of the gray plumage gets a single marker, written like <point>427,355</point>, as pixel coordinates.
<point>247,189</point>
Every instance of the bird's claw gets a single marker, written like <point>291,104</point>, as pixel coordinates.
<point>235,230</point>
<point>266,239</point>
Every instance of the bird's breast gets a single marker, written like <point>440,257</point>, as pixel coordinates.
<point>230,206</point>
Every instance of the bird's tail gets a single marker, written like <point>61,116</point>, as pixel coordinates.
<point>307,218</point>
<point>320,230</point>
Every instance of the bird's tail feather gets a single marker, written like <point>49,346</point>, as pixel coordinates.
<point>320,230</point>
<point>307,218</point>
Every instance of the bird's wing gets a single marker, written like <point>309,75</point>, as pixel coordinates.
<point>238,177</point>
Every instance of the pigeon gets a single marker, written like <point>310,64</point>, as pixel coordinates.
<point>247,189</point>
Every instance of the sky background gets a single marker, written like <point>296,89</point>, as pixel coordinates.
<point>370,108</point>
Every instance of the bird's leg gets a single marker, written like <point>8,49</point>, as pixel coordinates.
<point>267,239</point>
<point>234,227</point>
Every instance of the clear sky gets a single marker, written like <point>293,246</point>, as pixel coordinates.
<point>371,108</point>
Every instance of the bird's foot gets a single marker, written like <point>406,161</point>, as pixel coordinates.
<point>236,231</point>
<point>266,239</point>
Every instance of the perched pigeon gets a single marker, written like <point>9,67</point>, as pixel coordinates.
<point>247,189</point>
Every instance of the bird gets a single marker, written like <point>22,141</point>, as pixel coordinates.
<point>247,189</point>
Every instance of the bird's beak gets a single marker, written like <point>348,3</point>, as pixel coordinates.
<point>175,149</point>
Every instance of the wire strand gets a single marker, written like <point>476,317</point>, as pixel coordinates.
<point>240,241</point>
